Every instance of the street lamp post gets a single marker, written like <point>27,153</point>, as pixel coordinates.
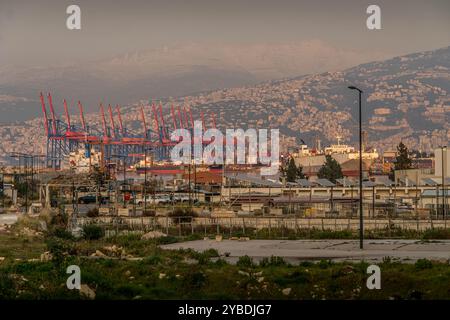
<point>361,216</point>
<point>444,202</point>
<point>145,180</point>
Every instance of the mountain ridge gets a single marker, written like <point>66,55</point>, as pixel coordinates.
<point>406,98</point>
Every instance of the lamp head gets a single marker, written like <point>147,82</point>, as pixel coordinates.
<point>354,88</point>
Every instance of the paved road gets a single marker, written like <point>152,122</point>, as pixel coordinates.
<point>336,250</point>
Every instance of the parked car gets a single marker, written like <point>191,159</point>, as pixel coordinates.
<point>153,199</point>
<point>181,198</point>
<point>90,198</point>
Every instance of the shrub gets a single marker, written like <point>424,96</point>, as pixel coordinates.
<point>153,259</point>
<point>92,213</point>
<point>180,215</point>
<point>272,261</point>
<point>59,249</point>
<point>212,253</point>
<point>245,261</point>
<point>149,213</point>
<point>437,233</point>
<point>306,264</point>
<point>62,233</point>
<point>194,280</point>
<point>7,287</point>
<point>92,232</point>
<point>324,264</point>
<point>423,264</point>
<point>166,240</point>
<point>205,256</point>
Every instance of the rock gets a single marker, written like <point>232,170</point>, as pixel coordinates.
<point>130,258</point>
<point>128,273</point>
<point>244,239</point>
<point>43,225</point>
<point>153,235</point>
<point>219,237</point>
<point>46,256</point>
<point>244,273</point>
<point>234,238</point>
<point>205,238</point>
<point>77,232</point>
<point>260,279</point>
<point>86,291</point>
<point>115,251</point>
<point>2,259</point>
<point>286,291</point>
<point>162,275</point>
<point>258,274</point>
<point>190,261</point>
<point>98,253</point>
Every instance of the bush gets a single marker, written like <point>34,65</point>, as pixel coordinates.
<point>437,233</point>
<point>272,261</point>
<point>423,264</point>
<point>59,249</point>
<point>92,232</point>
<point>61,233</point>
<point>245,261</point>
<point>166,240</point>
<point>7,287</point>
<point>324,264</point>
<point>180,215</point>
<point>153,259</point>
<point>149,213</point>
<point>194,280</point>
<point>92,213</point>
<point>205,256</point>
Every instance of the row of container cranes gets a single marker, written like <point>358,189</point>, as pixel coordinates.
<point>114,141</point>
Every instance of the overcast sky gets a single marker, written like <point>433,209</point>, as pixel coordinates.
<point>34,32</point>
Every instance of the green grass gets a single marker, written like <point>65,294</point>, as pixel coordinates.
<point>185,274</point>
<point>313,233</point>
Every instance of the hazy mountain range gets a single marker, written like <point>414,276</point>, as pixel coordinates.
<point>168,71</point>
<point>405,98</point>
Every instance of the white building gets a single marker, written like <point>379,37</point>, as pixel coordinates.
<point>442,157</point>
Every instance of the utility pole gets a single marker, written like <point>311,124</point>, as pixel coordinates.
<point>361,216</point>
<point>189,190</point>
<point>444,201</point>
<point>145,179</point>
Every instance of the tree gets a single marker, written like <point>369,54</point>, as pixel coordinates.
<point>300,174</point>
<point>402,161</point>
<point>330,170</point>
<point>291,172</point>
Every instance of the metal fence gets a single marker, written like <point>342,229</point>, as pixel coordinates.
<point>269,226</point>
